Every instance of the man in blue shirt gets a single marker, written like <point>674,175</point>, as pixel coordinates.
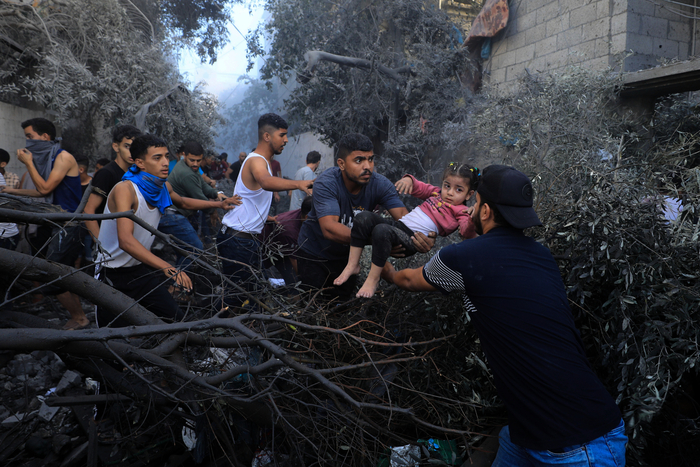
<point>340,193</point>
<point>558,410</point>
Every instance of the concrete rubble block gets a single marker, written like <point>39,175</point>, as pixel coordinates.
<point>13,420</point>
<point>69,379</point>
<point>23,365</point>
<point>47,413</point>
<point>61,443</point>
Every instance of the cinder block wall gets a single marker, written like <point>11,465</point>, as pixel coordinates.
<point>547,35</point>
<point>658,31</point>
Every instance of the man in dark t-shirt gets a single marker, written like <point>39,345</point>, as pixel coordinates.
<point>104,179</point>
<point>339,193</point>
<point>558,410</point>
<point>235,168</point>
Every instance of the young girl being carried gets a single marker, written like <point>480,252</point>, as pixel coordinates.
<point>443,211</point>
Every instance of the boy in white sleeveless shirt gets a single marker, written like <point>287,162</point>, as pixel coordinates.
<point>238,239</point>
<point>127,263</point>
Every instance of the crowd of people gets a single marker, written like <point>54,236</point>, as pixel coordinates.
<point>559,411</point>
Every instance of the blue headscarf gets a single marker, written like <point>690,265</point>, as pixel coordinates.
<point>152,188</point>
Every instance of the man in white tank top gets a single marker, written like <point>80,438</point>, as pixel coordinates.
<point>238,239</point>
<point>127,263</point>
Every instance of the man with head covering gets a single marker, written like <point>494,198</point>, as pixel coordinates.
<point>56,176</point>
<point>558,410</point>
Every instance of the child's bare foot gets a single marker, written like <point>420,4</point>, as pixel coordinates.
<point>345,275</point>
<point>368,288</point>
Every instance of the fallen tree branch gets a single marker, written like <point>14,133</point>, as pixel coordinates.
<point>313,57</point>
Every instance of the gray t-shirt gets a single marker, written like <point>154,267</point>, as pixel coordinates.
<point>332,198</point>
<point>305,173</point>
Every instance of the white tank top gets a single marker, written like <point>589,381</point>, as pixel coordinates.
<point>251,214</point>
<point>115,257</point>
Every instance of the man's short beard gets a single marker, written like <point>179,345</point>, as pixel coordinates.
<point>476,219</point>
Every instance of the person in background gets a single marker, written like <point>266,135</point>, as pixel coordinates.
<point>104,180</point>
<point>187,183</point>
<point>276,172</point>
<point>56,176</point>
<point>101,163</point>
<point>235,168</point>
<point>9,233</point>
<point>85,178</point>
<point>85,255</point>
<point>218,167</point>
<point>308,172</point>
<point>282,239</point>
<point>559,413</point>
<point>11,179</point>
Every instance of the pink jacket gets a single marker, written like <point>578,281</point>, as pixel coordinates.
<point>447,217</point>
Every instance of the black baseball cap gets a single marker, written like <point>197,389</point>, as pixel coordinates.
<point>511,191</point>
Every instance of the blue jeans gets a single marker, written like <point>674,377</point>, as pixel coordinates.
<point>606,451</point>
<point>242,250</point>
<point>178,226</point>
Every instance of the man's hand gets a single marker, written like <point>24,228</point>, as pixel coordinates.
<point>422,243</point>
<point>228,203</point>
<point>404,186</point>
<point>276,197</point>
<point>179,277</point>
<point>220,196</point>
<point>306,186</point>
<point>24,156</point>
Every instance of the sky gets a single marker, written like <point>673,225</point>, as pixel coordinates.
<point>222,77</point>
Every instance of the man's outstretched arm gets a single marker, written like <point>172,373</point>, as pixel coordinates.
<point>407,279</point>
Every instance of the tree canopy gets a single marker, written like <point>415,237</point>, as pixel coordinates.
<point>406,88</point>
<point>95,65</point>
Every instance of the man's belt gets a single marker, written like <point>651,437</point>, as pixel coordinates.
<point>237,233</point>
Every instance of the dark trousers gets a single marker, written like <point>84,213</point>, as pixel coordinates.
<point>145,285</point>
<point>239,251</point>
<point>320,273</point>
<point>369,228</point>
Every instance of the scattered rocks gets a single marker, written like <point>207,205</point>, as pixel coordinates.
<point>49,433</point>
<point>69,379</point>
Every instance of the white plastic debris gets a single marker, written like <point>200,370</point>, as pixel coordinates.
<point>276,282</point>
<point>189,437</point>
<point>405,456</point>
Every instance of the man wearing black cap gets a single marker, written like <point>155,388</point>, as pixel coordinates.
<point>559,412</point>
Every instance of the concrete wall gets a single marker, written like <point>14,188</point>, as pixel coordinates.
<point>11,133</point>
<point>658,31</point>
<point>546,35</point>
